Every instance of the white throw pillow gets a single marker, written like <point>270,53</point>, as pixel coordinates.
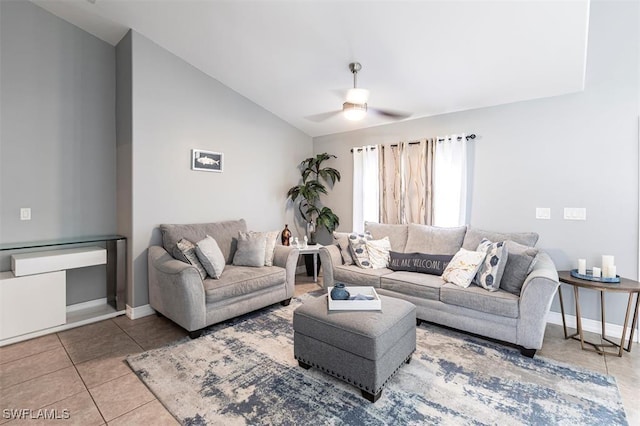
<point>463,267</point>
<point>211,257</point>
<point>379,252</point>
<point>492,267</point>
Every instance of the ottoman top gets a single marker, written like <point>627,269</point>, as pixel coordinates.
<point>369,334</point>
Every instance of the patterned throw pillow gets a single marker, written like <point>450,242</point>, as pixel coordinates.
<point>492,268</point>
<point>211,257</point>
<point>379,252</point>
<point>358,245</point>
<point>463,267</point>
<point>185,251</point>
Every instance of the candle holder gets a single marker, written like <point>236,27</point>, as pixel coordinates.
<point>589,277</point>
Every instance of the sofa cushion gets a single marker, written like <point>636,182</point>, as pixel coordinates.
<point>251,249</point>
<point>463,267</point>
<point>423,263</point>
<point>519,264</point>
<point>242,280</point>
<point>185,251</point>
<point>397,234</point>
<point>378,252</point>
<point>342,240</point>
<point>434,240</point>
<point>474,237</point>
<point>491,302</point>
<point>354,275</point>
<point>492,267</point>
<point>210,256</point>
<point>358,246</point>
<point>225,233</point>
<point>423,286</point>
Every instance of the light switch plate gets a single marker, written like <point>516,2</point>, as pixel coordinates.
<point>543,213</point>
<point>25,213</point>
<point>575,213</point>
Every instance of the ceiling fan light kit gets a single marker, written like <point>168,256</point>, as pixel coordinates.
<point>354,112</point>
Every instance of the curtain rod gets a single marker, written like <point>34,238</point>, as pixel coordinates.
<point>471,136</point>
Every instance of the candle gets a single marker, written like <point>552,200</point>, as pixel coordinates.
<point>612,271</point>
<point>607,262</point>
<point>596,272</point>
<point>582,266</point>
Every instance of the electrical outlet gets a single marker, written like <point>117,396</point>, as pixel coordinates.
<point>574,213</point>
<point>25,213</point>
<point>543,213</point>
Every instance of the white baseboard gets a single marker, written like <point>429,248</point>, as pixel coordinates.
<point>86,305</point>
<point>593,326</point>
<point>139,311</point>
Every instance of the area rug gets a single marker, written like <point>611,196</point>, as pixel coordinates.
<point>244,372</point>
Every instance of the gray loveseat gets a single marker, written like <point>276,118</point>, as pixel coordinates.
<point>177,291</point>
<point>515,317</point>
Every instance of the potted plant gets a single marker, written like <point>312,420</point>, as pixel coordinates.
<point>307,195</point>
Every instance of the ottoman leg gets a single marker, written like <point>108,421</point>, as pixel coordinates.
<point>304,365</point>
<point>370,396</point>
<point>408,361</point>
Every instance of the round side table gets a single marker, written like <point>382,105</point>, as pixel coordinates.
<point>624,286</point>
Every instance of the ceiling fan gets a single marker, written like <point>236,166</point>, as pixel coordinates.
<point>355,106</point>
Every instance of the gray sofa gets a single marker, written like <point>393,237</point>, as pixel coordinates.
<point>177,291</point>
<point>519,319</point>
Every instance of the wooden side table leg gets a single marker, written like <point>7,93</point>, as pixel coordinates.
<point>634,322</point>
<point>602,315</point>
<point>624,324</point>
<point>564,322</point>
<point>578,316</point>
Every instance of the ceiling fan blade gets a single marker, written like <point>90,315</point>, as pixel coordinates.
<point>394,115</point>
<point>317,118</point>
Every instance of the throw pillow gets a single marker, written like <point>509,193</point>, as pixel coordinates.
<point>463,267</point>
<point>210,256</point>
<point>397,234</point>
<point>492,268</point>
<point>342,240</point>
<point>519,264</point>
<point>185,251</point>
<point>358,245</point>
<point>379,252</point>
<point>251,249</point>
<point>272,238</point>
<point>433,239</point>
<point>423,263</point>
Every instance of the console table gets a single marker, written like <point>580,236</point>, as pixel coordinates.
<point>33,293</point>
<point>624,286</point>
<point>314,250</point>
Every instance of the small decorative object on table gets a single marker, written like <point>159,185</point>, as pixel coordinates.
<point>286,235</point>
<point>590,276</point>
<point>339,292</point>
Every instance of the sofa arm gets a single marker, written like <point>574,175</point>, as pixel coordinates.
<point>535,302</point>
<point>287,257</point>
<point>329,256</point>
<point>176,289</point>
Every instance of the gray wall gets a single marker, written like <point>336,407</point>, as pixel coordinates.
<point>57,150</point>
<point>577,150</point>
<point>176,108</point>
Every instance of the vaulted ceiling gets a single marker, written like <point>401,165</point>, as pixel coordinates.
<point>422,57</point>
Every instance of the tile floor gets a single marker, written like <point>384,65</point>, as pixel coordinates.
<point>83,371</point>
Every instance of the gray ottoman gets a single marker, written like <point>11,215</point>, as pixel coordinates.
<point>363,348</point>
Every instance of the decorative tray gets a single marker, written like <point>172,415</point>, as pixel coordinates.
<point>589,276</point>
<point>356,305</point>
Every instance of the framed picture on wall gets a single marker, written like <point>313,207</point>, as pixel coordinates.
<point>207,161</point>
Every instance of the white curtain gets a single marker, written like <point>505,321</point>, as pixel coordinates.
<point>365,186</point>
<point>450,181</point>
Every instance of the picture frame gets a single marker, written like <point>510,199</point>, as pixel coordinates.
<point>207,161</point>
